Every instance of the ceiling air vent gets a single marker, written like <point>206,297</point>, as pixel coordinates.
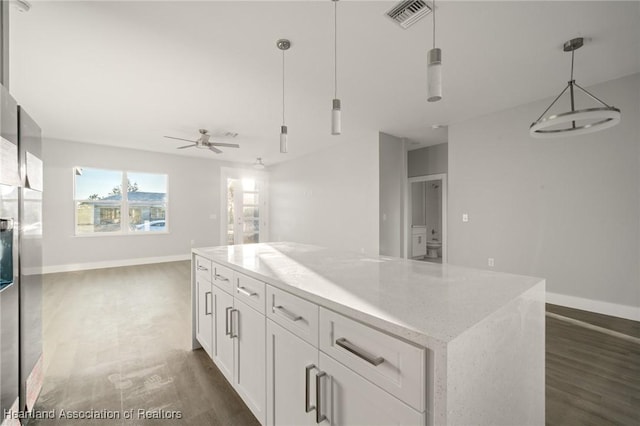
<point>409,12</point>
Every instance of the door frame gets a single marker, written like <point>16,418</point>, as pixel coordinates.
<point>240,173</point>
<point>407,211</point>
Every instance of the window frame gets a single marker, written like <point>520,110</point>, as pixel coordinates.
<point>123,204</point>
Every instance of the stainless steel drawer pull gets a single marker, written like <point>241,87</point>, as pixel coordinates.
<point>221,277</point>
<point>287,314</point>
<point>233,336</point>
<point>227,332</point>
<point>319,416</point>
<point>206,303</point>
<point>359,352</point>
<point>202,268</point>
<point>307,391</point>
<point>246,292</point>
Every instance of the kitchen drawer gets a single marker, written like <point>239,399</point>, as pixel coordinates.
<point>203,268</point>
<point>293,313</point>
<point>250,291</point>
<point>223,277</point>
<point>396,366</point>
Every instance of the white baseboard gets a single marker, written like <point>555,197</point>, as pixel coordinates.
<point>606,308</point>
<point>113,263</point>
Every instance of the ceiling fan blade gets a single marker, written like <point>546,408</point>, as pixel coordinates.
<point>180,139</point>
<point>229,145</point>
<point>214,149</point>
<point>186,146</point>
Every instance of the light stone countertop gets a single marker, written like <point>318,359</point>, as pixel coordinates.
<point>425,303</point>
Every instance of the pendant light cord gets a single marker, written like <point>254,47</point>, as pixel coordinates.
<point>434,23</point>
<point>335,48</point>
<point>572,55</point>
<point>283,87</point>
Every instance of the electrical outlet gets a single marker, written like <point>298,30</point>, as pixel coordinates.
<point>491,262</point>
<point>465,217</point>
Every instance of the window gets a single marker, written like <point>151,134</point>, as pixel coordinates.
<point>100,203</point>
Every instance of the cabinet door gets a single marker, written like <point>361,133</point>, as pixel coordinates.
<point>249,379</point>
<point>204,330</point>
<point>223,348</point>
<point>348,399</point>
<point>291,387</point>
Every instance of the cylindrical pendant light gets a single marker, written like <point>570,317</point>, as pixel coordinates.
<point>434,67</point>
<point>336,112</point>
<point>283,139</point>
<point>283,44</point>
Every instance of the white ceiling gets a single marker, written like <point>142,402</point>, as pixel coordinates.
<point>127,73</point>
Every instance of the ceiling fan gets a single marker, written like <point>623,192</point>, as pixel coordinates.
<point>203,141</point>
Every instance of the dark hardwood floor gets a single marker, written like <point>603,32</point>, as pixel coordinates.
<point>119,339</point>
<point>592,376</point>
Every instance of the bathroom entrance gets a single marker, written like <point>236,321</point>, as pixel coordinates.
<point>427,233</point>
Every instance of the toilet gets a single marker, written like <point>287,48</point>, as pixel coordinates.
<point>432,248</point>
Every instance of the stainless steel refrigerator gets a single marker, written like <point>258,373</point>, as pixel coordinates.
<point>30,242</point>
<point>9,255</point>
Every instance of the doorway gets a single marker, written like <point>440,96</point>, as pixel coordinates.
<point>427,218</point>
<point>244,207</point>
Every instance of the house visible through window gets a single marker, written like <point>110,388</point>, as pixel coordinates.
<point>100,203</point>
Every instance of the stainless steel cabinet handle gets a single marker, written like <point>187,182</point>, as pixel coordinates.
<point>206,303</point>
<point>246,292</point>
<point>202,268</point>
<point>319,416</point>
<point>221,277</point>
<point>226,321</point>
<point>359,352</point>
<point>307,391</point>
<point>233,336</point>
<point>286,313</point>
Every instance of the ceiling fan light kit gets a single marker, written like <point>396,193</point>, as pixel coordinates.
<point>582,121</point>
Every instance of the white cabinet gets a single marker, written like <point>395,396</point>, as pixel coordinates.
<point>204,304</point>
<point>419,240</point>
<point>223,354</point>
<point>348,399</point>
<point>302,364</point>
<point>248,330</point>
<point>396,366</point>
<point>291,368</point>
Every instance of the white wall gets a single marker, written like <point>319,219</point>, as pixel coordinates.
<point>567,209</point>
<point>428,161</point>
<point>329,198</point>
<point>193,196</point>
<point>392,178</point>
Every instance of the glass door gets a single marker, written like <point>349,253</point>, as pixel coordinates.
<point>245,210</point>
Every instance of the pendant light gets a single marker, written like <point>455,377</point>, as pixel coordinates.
<point>434,67</point>
<point>336,113</point>
<point>577,122</point>
<point>283,44</point>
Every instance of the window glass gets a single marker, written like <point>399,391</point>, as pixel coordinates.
<point>98,197</point>
<point>147,198</point>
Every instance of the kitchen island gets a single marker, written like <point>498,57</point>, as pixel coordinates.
<point>347,338</point>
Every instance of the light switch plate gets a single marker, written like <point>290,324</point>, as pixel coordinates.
<point>465,217</point>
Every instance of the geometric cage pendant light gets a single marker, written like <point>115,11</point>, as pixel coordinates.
<point>576,121</point>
